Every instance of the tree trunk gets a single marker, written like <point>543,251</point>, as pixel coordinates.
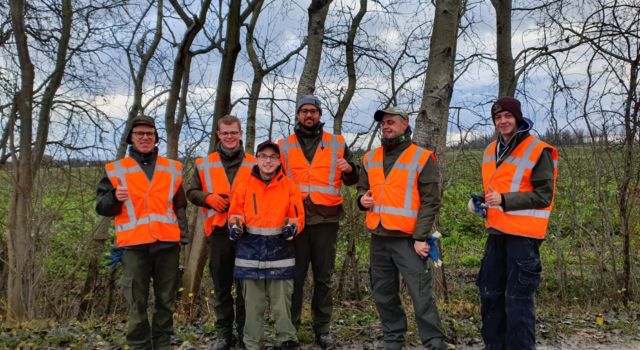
<point>195,261</point>
<point>100,236</point>
<point>222,105</point>
<point>192,276</point>
<point>351,69</point>
<point>504,56</point>
<point>21,253</point>
<point>180,77</point>
<point>629,169</point>
<point>252,107</point>
<point>259,73</point>
<point>433,116</point>
<point>318,11</point>
<point>138,77</point>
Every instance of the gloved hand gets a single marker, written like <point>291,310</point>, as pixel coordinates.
<point>477,205</point>
<point>434,252</point>
<point>235,231</point>
<point>219,202</point>
<point>114,258</point>
<point>289,231</point>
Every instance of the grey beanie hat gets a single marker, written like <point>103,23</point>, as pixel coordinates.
<point>309,100</point>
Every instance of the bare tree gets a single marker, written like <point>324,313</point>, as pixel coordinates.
<point>611,31</point>
<point>433,117</point>
<point>261,68</point>
<point>318,10</point>
<point>27,161</point>
<point>345,101</point>
<point>180,78</point>
<point>230,51</point>
<point>197,254</point>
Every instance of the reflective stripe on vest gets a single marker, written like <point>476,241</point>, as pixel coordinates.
<point>514,175</point>
<point>265,264</point>
<point>210,168</point>
<point>128,219</point>
<point>412,161</point>
<point>264,231</point>
<point>331,191</point>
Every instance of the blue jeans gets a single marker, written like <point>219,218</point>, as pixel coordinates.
<point>508,278</point>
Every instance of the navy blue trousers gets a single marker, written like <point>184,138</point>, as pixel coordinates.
<point>508,278</point>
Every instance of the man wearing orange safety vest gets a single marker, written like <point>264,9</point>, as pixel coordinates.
<point>518,176</point>
<point>319,162</point>
<point>215,178</point>
<point>399,190</point>
<point>265,215</point>
<point>143,192</point>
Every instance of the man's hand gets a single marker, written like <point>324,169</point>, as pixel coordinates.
<point>219,202</point>
<point>367,200</point>
<point>344,166</point>
<point>421,248</point>
<point>493,199</point>
<point>122,193</point>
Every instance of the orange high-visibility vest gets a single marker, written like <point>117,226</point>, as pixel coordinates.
<point>514,175</point>
<point>396,198</point>
<point>147,216</point>
<point>266,208</point>
<point>321,180</point>
<point>214,180</point>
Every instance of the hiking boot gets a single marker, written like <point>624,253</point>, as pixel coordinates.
<point>223,344</point>
<point>325,341</point>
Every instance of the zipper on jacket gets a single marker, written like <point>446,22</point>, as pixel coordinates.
<point>255,205</point>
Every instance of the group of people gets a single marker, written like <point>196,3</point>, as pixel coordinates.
<point>271,217</point>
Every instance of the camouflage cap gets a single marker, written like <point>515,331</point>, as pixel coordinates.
<point>390,110</point>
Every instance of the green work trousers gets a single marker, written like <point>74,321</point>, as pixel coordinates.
<point>142,268</point>
<point>257,295</point>
<point>390,257</point>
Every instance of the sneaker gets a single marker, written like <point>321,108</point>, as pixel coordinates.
<point>325,341</point>
<point>223,344</point>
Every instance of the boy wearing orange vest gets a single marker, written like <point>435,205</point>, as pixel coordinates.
<point>143,192</point>
<point>215,178</point>
<point>319,162</point>
<point>399,190</point>
<point>266,213</point>
<point>518,176</point>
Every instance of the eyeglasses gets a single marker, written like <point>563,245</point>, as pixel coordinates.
<point>142,134</point>
<point>229,133</point>
<point>310,111</point>
<point>265,157</point>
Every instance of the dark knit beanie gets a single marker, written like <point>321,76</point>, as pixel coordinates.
<point>142,120</point>
<point>507,104</point>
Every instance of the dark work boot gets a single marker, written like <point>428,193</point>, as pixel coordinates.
<point>325,341</point>
<point>223,344</point>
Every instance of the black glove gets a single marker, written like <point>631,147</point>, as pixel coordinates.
<point>235,231</point>
<point>289,231</point>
